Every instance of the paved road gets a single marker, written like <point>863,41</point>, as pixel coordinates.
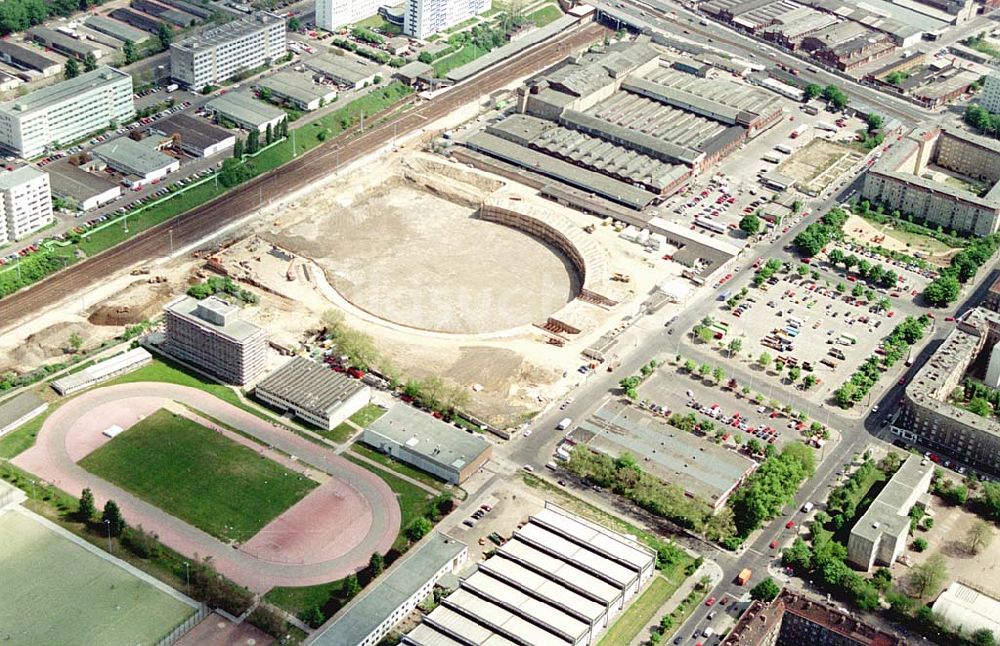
<point>50,459</point>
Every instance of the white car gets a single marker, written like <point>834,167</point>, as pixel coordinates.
<point>527,432</point>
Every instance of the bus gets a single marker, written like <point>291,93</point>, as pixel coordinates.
<point>711,225</point>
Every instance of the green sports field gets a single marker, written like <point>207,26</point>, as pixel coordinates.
<point>57,592</point>
<point>198,475</point>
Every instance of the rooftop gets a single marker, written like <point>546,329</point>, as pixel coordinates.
<point>27,55</point>
<point>347,68</point>
<point>311,385</point>
<point>377,603</point>
<point>11,179</point>
<point>197,132</point>
<point>71,181</point>
<point>887,513</point>
<point>134,156</point>
<point>296,86</point>
<point>227,32</point>
<point>245,108</point>
<point>116,28</point>
<point>702,469</point>
<point>968,607</point>
<point>64,91</point>
<point>102,369</point>
<point>431,438</point>
<point>216,314</point>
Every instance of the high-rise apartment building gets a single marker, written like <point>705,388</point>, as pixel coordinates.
<point>990,98</point>
<point>211,336</point>
<point>334,14</point>
<point>25,202</point>
<point>216,55</point>
<point>65,112</point>
<point>425,18</point>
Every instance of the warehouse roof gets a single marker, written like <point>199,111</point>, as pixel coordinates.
<point>116,28</point>
<point>64,91</point>
<point>197,132</point>
<point>965,606</point>
<point>429,437</point>
<point>347,68</point>
<point>60,41</point>
<point>133,156</point>
<point>215,313</point>
<point>245,108</point>
<point>71,181</point>
<point>296,87</point>
<point>27,56</point>
<point>101,370</point>
<point>311,386</point>
<point>379,601</point>
<point>603,185</point>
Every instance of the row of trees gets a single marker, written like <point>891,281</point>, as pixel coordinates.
<point>894,347</point>
<point>874,273</point>
<point>964,265</point>
<point>769,489</point>
<point>222,285</point>
<point>72,67</point>
<point>818,234</point>
<point>979,118</point>
<point>836,97</point>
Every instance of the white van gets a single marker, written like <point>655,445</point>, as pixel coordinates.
<point>708,632</point>
<point>808,507</point>
<point>564,424</point>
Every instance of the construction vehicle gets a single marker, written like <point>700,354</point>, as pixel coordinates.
<point>744,576</point>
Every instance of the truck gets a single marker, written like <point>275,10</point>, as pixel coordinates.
<point>781,148</point>
<point>823,125</point>
<point>564,423</point>
<point>744,576</point>
<point>799,129</point>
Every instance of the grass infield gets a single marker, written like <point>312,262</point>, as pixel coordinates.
<point>198,475</point>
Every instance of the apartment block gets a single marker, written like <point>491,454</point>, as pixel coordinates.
<point>25,202</point>
<point>990,98</point>
<point>66,112</point>
<point>425,18</point>
<point>334,14</point>
<point>216,55</point>
<point>211,336</point>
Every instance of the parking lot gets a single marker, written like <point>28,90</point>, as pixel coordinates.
<point>804,322</point>
<point>672,390</point>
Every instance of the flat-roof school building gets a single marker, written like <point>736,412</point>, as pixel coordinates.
<point>215,55</point>
<point>66,111</point>
<point>559,581</point>
<point>211,336</point>
<point>427,443</point>
<point>313,392</point>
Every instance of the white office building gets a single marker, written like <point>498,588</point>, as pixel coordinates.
<point>25,202</point>
<point>990,98</point>
<point>334,14</point>
<point>66,112</point>
<point>424,18</point>
<point>216,55</point>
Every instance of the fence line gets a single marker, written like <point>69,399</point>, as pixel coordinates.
<point>185,626</point>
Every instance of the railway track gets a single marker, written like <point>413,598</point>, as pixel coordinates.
<point>194,225</point>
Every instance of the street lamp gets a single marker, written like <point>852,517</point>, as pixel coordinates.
<point>187,576</point>
<point>107,523</point>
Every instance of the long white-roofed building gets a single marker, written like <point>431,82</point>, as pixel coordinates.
<point>215,55</point>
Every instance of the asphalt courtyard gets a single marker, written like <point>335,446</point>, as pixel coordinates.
<point>329,534</point>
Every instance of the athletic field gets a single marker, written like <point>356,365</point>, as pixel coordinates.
<point>57,592</point>
<point>198,475</point>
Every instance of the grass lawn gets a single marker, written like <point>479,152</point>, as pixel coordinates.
<point>295,600</point>
<point>56,592</point>
<point>545,15</point>
<point>368,414</point>
<point>380,23</point>
<point>339,433</point>
<point>21,439</point>
<point>395,465</point>
<point>640,613</point>
<point>343,431</point>
<point>457,59</point>
<point>198,475</point>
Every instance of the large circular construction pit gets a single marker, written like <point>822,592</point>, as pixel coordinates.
<point>416,259</point>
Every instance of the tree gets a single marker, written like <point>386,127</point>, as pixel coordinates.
<point>690,366</point>
<point>718,374</point>
<point>942,290</point>
<point>313,615</point>
<point>809,382</point>
<point>352,586</point>
<point>980,406</point>
<point>750,224</point>
<point>721,525</point>
<point>764,359</point>
<point>418,529</point>
<point>978,536</point>
<point>735,345</point>
<point>704,370</point>
<point>253,142</point>
<point>873,121</point>
<point>294,24</point>
<point>112,517</point>
<point>128,49</point>
<point>812,91</point>
<point>75,341</point>
<point>919,544</point>
<point>926,579</point>
<point>269,135</point>
<point>86,509</point>
<point>984,637</point>
<point>164,35</point>
<point>89,62</point>
<point>753,445</point>
<point>238,149</point>
<point>71,69</point>
<point>794,373</point>
<point>766,590</point>
<point>376,564</point>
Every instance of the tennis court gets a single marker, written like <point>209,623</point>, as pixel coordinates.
<point>58,592</point>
